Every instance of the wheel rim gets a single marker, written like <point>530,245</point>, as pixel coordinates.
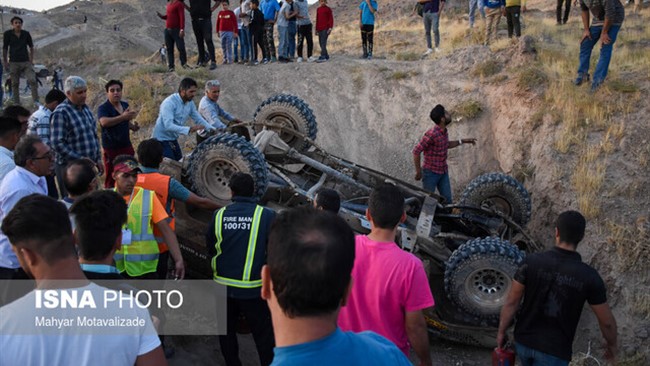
<point>487,287</point>
<point>283,120</point>
<point>499,204</point>
<point>217,175</point>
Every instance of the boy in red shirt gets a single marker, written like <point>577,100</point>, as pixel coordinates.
<point>324,25</point>
<point>227,30</point>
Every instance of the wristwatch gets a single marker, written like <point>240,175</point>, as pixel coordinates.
<point>460,142</point>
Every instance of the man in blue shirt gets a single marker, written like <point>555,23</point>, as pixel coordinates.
<point>306,280</point>
<point>270,9</point>
<point>211,111</point>
<point>367,10</point>
<point>174,111</point>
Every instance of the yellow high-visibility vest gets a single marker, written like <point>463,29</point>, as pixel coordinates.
<point>245,280</point>
<point>141,256</point>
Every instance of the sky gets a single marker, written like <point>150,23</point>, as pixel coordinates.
<point>34,4</point>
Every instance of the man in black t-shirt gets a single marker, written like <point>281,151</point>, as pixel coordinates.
<point>19,62</point>
<point>554,286</point>
<point>201,14</point>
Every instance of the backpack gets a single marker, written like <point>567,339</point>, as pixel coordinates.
<point>419,7</point>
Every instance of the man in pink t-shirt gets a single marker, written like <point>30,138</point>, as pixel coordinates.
<point>390,288</point>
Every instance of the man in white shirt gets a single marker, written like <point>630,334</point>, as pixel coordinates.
<point>41,236</point>
<point>34,160</point>
<point>9,136</point>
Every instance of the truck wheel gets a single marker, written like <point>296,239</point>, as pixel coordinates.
<point>289,111</point>
<point>216,159</point>
<point>478,276</point>
<point>501,192</point>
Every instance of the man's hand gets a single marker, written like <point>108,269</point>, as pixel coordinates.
<point>418,175</point>
<point>234,122</point>
<point>523,9</point>
<point>159,15</point>
<point>502,339</point>
<point>196,128</point>
<point>134,126</point>
<point>469,141</point>
<point>100,167</point>
<point>179,270</point>
<point>329,31</point>
<point>182,33</point>
<point>236,36</point>
<point>586,34</point>
<point>604,38</point>
<point>128,114</point>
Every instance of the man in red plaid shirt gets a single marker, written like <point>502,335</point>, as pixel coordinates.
<point>434,144</point>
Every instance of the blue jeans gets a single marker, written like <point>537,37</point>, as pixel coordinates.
<point>235,46</point>
<point>532,357</point>
<point>244,43</point>
<point>283,47</point>
<point>172,150</point>
<point>431,21</point>
<point>226,46</point>
<point>473,5</point>
<point>291,39</point>
<point>605,53</point>
<point>431,181</point>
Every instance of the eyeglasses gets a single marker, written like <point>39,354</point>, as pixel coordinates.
<point>48,155</point>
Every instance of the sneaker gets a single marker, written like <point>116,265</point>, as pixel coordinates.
<point>364,56</point>
<point>200,64</point>
<point>594,87</point>
<point>437,49</point>
<point>299,59</point>
<point>265,61</point>
<point>186,66</point>
<point>428,52</point>
<point>171,69</point>
<point>581,78</point>
<point>312,59</point>
<point>322,59</point>
<point>213,65</point>
<point>370,56</point>
<point>257,62</point>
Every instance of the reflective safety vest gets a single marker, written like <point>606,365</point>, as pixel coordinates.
<point>243,281</point>
<point>159,183</point>
<point>141,256</point>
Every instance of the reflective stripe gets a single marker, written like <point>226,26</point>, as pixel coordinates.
<point>217,233</point>
<point>252,243</point>
<point>146,212</point>
<point>237,283</point>
<point>142,237</point>
<point>141,257</point>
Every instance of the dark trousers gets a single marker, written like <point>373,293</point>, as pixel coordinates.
<point>566,11</point>
<point>203,32</point>
<point>269,42</point>
<point>258,317</point>
<point>322,41</point>
<point>512,16</point>
<point>172,36</point>
<point>257,40</point>
<point>367,32</point>
<point>304,33</point>
<point>9,290</point>
<point>51,187</point>
<point>172,149</point>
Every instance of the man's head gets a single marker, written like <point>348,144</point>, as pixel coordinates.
<point>242,185</point>
<point>328,200</point>
<point>309,262</point>
<point>212,90</point>
<point>255,4</point>
<point>385,206</point>
<point>439,116</point>
<point>570,228</point>
<point>150,153</point>
<point>322,2</point>
<point>80,177</point>
<point>76,90</point>
<point>125,173</point>
<point>38,228</point>
<point>32,154</point>
<point>114,91</point>
<point>225,4</point>
<point>187,89</point>
<point>10,130</point>
<point>21,114</point>
<point>53,98</point>
<point>99,217</point>
<point>17,23</point>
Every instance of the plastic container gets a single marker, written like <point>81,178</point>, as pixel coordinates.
<point>503,357</point>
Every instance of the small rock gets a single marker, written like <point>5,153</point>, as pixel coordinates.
<point>642,332</point>
<point>527,45</point>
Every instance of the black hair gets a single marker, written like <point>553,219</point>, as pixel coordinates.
<point>310,258</point>
<point>225,1</point>
<point>25,149</point>
<point>16,18</point>
<point>15,111</point>
<point>437,113</point>
<point>329,200</point>
<point>78,182</point>
<point>99,217</point>
<point>386,206</point>
<point>150,153</point>
<point>571,227</point>
<point>242,185</point>
<point>41,224</point>
<point>113,82</point>
<point>9,125</point>
<point>256,2</point>
<point>187,83</point>
<point>55,95</point>
<point>122,158</point>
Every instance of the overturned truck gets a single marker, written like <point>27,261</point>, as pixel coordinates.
<point>470,249</point>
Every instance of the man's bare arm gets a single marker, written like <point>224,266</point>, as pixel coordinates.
<point>416,331</point>
<point>154,358</point>
<point>509,310</point>
<point>607,324</point>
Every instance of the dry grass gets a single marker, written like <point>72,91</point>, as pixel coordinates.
<point>531,77</point>
<point>631,245</point>
<point>487,69</point>
<point>468,109</point>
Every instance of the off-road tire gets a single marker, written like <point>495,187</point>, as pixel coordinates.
<point>292,112</point>
<point>216,159</point>
<point>501,192</point>
<point>478,276</point>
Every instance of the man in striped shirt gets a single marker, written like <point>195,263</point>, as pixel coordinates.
<point>434,144</point>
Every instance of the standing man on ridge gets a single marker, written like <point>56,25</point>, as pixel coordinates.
<point>15,43</point>
<point>201,14</point>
